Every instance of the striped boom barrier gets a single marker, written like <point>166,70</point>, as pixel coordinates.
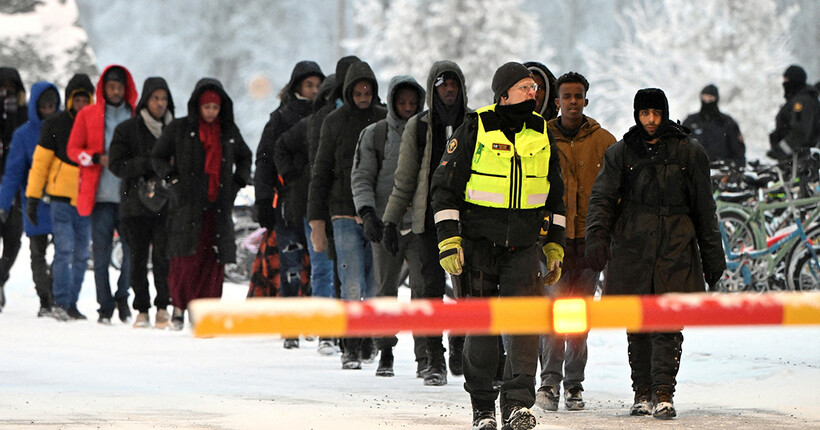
<point>290,317</point>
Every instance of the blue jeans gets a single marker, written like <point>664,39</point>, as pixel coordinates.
<point>354,257</point>
<point>291,243</point>
<point>105,218</point>
<point>72,233</point>
<point>321,270</point>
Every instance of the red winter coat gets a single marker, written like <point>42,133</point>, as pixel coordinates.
<point>88,135</point>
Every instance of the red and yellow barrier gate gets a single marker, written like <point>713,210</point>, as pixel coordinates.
<point>525,315</point>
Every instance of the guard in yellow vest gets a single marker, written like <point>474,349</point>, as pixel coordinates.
<point>499,179</point>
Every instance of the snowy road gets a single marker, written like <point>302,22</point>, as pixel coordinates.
<point>81,375</point>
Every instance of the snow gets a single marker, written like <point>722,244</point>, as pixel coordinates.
<point>80,374</point>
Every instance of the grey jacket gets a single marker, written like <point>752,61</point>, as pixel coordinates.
<point>371,178</point>
<point>411,180</point>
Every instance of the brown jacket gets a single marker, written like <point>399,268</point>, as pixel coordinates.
<point>581,159</point>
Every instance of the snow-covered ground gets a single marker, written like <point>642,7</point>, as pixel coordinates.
<point>80,375</point>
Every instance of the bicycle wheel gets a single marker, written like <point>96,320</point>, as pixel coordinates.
<point>804,268</point>
<point>735,228</point>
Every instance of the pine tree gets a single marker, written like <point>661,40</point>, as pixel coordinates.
<point>741,46</point>
<point>407,36</point>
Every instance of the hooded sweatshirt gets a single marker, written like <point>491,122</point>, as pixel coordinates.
<point>548,109</point>
<point>21,153</point>
<point>17,116</point>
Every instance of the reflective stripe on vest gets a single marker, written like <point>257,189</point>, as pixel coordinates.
<point>506,174</point>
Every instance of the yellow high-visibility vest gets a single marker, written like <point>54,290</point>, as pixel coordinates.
<point>506,174</point>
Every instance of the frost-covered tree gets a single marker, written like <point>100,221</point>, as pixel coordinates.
<point>407,36</point>
<point>44,41</point>
<point>741,46</point>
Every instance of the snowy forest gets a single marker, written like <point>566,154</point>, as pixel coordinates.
<point>742,46</point>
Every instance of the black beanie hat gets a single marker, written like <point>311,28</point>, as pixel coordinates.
<point>650,98</point>
<point>795,73</point>
<point>115,74</point>
<point>712,90</point>
<point>506,76</point>
<point>50,95</point>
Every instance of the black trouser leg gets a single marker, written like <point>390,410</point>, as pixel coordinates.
<point>161,264</point>
<point>666,353</point>
<point>434,282</point>
<point>40,270</point>
<point>12,231</point>
<point>639,349</point>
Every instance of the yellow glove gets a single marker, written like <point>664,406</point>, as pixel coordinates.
<point>555,258</point>
<point>450,255</point>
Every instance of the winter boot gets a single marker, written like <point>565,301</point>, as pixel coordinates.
<point>643,402</point>
<point>326,347</point>
<point>385,362</point>
<point>484,419</point>
<point>351,357</point>
<point>664,407</point>
<point>75,314</point>
<point>60,314</point>
<point>123,311</point>
<point>547,398</point>
<point>142,320</point>
<point>573,400</point>
<point>436,373</point>
<point>178,319</point>
<point>517,416</point>
<point>456,360</point>
<point>44,312</point>
<point>292,343</point>
<point>421,367</point>
<point>163,320</point>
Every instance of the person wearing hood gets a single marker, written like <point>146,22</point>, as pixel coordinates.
<point>144,226</point>
<point>497,183</point>
<point>581,143</point>
<point>422,145</point>
<point>375,162</point>
<point>99,193</point>
<point>797,124</point>
<point>547,94</point>
<point>717,132</point>
<point>45,103</point>
<point>293,162</point>
<point>54,175</point>
<point>13,114</point>
<point>206,162</point>
<point>297,102</point>
<point>651,222</point>
<point>330,195</point>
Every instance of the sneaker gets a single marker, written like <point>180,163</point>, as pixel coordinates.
<point>519,417</point>
<point>421,367</point>
<point>350,360</point>
<point>162,320</point>
<point>326,347</point>
<point>44,312</point>
<point>60,314</point>
<point>436,373</point>
<point>664,407</point>
<point>178,319</point>
<point>75,314</point>
<point>291,343</point>
<point>573,400</point>
<point>123,311</point>
<point>104,320</point>
<point>547,397</point>
<point>385,362</point>
<point>643,402</point>
<point>484,419</point>
<point>142,321</point>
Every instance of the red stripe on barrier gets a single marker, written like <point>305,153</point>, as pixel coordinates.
<point>425,317</point>
<point>673,311</point>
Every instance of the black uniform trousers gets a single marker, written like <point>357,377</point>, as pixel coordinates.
<point>511,272</point>
<point>41,270</point>
<point>141,233</point>
<point>11,231</point>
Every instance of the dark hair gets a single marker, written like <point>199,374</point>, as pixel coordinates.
<point>572,77</point>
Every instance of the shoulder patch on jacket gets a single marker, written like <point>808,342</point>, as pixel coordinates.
<point>452,145</point>
<point>798,106</point>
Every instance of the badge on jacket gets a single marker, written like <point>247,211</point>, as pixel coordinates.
<point>501,146</point>
<point>451,146</point>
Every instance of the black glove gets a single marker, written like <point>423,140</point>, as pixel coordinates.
<point>31,210</point>
<point>266,213</point>
<point>712,278</point>
<point>372,224</point>
<point>391,238</point>
<point>597,254</point>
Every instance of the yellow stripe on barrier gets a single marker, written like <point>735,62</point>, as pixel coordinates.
<point>801,308</point>
<point>521,315</point>
<point>616,312</point>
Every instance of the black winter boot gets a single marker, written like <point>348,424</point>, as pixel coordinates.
<point>643,402</point>
<point>436,373</point>
<point>664,406</point>
<point>516,416</point>
<point>385,362</point>
<point>484,419</point>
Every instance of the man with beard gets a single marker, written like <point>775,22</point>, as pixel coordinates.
<point>717,132</point>
<point>651,215</point>
<point>496,184</point>
<point>797,124</point>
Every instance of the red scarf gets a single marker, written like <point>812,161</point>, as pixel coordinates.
<point>209,134</point>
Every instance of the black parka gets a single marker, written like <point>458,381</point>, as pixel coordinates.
<point>130,151</point>
<point>178,156</point>
<point>658,213</point>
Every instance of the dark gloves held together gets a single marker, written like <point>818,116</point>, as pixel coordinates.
<point>31,210</point>
<point>391,238</point>
<point>372,224</point>
<point>266,213</point>
<point>712,278</point>
<point>597,254</point>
